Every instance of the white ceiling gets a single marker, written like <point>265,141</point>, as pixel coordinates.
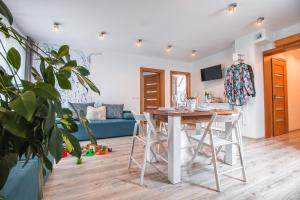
<point>203,25</point>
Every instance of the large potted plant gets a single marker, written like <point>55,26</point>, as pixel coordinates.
<point>31,110</point>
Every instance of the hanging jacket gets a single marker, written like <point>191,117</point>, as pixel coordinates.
<point>252,80</point>
<point>238,84</point>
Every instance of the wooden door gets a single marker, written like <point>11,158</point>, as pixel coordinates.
<point>280,107</point>
<point>152,92</point>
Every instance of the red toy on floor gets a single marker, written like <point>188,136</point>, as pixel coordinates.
<point>64,153</point>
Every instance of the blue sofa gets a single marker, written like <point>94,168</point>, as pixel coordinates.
<point>109,128</point>
<point>22,182</point>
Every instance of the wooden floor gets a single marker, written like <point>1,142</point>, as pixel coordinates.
<point>273,169</point>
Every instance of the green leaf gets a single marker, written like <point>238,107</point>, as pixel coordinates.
<point>83,71</point>
<point>67,68</point>
<point>8,120</point>
<point>5,80</point>
<point>36,75</point>
<point>69,125</point>
<point>4,10</point>
<point>24,105</point>
<point>66,113</point>
<point>14,58</point>
<point>47,91</point>
<point>7,162</point>
<point>4,30</point>
<point>91,84</point>
<point>42,111</point>
<point>71,63</point>
<point>27,85</point>
<point>54,53</point>
<point>63,81</point>
<point>85,123</point>
<point>47,162</point>
<point>43,67</point>
<point>49,122</point>
<point>50,75</point>
<point>81,81</point>
<point>58,109</point>
<point>68,57</point>
<point>56,144</point>
<point>63,51</point>
<point>72,144</point>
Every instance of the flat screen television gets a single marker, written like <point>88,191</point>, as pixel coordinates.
<point>211,73</point>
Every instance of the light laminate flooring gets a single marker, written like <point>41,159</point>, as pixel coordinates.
<point>273,169</point>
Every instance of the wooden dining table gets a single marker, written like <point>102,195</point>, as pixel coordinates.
<point>175,119</point>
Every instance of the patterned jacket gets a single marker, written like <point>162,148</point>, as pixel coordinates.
<point>239,84</point>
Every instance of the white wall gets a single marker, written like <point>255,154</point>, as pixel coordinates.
<point>216,87</point>
<point>253,122</point>
<point>118,77</point>
<point>253,125</point>
<point>293,81</point>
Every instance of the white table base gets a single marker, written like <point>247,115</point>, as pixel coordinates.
<point>174,149</point>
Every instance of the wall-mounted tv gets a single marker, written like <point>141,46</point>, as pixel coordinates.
<point>211,73</point>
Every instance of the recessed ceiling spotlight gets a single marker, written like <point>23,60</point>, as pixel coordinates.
<point>232,8</point>
<point>260,21</point>
<point>56,26</point>
<point>138,43</point>
<point>169,48</point>
<point>102,35</point>
<point>194,53</point>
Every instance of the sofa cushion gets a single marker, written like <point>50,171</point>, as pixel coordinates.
<point>114,111</point>
<point>80,107</point>
<point>93,113</point>
<point>128,115</point>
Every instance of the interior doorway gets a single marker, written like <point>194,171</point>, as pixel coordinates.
<point>281,71</point>
<point>152,89</point>
<point>180,83</point>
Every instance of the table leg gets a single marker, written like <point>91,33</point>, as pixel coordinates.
<point>198,128</point>
<point>174,157</point>
<point>230,150</point>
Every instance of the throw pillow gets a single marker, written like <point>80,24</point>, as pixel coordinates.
<point>101,113</point>
<point>114,111</point>
<point>128,115</point>
<point>93,113</point>
<point>80,107</point>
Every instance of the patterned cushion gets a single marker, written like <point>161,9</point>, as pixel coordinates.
<point>80,107</point>
<point>114,111</point>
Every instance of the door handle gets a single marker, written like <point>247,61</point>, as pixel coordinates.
<point>278,97</point>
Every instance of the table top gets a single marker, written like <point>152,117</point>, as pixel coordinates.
<point>192,113</point>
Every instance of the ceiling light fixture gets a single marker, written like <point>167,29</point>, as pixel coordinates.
<point>138,43</point>
<point>260,21</point>
<point>102,35</point>
<point>232,8</point>
<point>56,26</point>
<point>194,53</point>
<point>169,48</point>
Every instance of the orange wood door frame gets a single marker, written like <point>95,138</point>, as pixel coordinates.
<point>188,83</point>
<point>282,45</point>
<point>162,85</point>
